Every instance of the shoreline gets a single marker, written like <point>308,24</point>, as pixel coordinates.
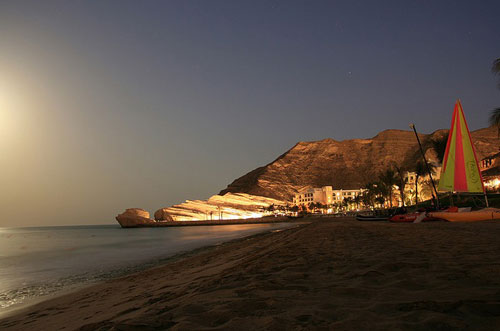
<point>160,224</point>
<point>334,273</point>
<point>141,267</point>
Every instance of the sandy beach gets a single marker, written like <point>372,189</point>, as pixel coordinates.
<point>333,273</point>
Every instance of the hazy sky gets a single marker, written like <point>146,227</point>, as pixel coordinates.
<point>106,105</point>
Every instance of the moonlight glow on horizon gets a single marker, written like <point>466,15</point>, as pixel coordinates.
<point>5,113</point>
<point>10,114</point>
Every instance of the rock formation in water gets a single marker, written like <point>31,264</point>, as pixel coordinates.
<point>162,215</point>
<point>133,216</point>
<point>345,164</point>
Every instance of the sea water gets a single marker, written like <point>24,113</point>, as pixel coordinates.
<point>40,261</point>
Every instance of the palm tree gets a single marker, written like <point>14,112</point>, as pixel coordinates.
<point>345,203</point>
<point>337,206</point>
<point>380,200</point>
<point>348,202</point>
<point>402,181</point>
<point>495,69</point>
<point>370,193</point>
<point>312,206</point>
<point>317,206</point>
<point>373,191</point>
<point>382,191</point>
<point>439,145</point>
<point>495,119</point>
<point>426,188</point>
<point>357,200</point>
<point>321,207</point>
<point>421,170</point>
<point>367,200</point>
<point>495,113</point>
<point>388,179</point>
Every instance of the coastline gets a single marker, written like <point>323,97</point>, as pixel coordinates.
<point>130,269</point>
<point>160,224</point>
<point>330,273</point>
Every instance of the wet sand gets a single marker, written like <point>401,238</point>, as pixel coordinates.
<point>334,273</point>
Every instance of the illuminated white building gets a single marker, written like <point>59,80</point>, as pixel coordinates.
<point>322,195</point>
<point>325,195</point>
<point>340,195</point>
<point>410,177</point>
<point>490,171</point>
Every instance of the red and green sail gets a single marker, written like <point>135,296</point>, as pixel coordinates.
<point>460,171</point>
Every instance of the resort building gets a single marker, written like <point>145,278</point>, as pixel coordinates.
<point>322,195</point>
<point>425,190</point>
<point>489,162</point>
<point>340,195</point>
<point>490,171</point>
<point>325,195</point>
<point>411,177</point>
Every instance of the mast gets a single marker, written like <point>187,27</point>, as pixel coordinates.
<point>426,164</point>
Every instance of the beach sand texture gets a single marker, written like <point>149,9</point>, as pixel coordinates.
<point>334,273</point>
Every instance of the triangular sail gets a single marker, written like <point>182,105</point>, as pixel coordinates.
<point>460,170</point>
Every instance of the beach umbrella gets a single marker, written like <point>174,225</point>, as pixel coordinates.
<point>460,171</point>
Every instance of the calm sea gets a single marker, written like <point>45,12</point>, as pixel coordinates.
<point>36,262</point>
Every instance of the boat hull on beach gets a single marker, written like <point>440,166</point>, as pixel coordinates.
<point>471,216</point>
<point>373,218</point>
<point>404,218</point>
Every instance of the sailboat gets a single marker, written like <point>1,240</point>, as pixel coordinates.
<point>460,171</point>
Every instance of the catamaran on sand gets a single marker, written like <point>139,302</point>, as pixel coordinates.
<point>460,172</point>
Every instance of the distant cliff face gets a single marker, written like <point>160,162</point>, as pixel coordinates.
<point>344,164</point>
<point>228,206</point>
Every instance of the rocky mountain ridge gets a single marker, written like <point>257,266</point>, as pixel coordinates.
<point>346,164</point>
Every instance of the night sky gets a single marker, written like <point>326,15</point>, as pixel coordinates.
<point>106,105</point>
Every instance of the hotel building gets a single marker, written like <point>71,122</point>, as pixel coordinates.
<point>490,171</point>
<point>325,195</point>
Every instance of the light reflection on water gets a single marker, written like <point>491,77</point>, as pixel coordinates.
<point>44,260</point>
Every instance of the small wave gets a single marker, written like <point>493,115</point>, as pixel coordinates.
<point>22,294</point>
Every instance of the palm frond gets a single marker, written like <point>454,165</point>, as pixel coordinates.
<point>439,145</point>
<point>495,68</point>
<point>495,119</point>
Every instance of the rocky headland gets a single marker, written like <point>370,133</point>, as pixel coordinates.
<point>348,164</point>
<point>229,207</point>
